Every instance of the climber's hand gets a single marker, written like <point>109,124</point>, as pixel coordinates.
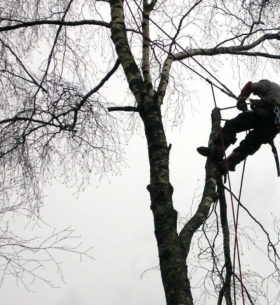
<point>241,104</point>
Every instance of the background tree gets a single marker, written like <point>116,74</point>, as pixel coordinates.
<point>54,120</point>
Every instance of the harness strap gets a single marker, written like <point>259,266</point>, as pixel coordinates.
<point>274,150</point>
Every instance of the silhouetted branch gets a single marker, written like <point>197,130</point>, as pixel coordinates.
<point>54,22</point>
<point>270,244</point>
<point>125,108</point>
<point>226,288</point>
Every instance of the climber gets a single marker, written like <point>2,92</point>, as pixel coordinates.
<point>263,122</point>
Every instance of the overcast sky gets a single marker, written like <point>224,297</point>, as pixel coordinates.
<point>113,216</point>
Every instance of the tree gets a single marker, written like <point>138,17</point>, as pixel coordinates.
<point>54,124</point>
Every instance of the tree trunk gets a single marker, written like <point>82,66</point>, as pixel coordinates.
<point>172,256</point>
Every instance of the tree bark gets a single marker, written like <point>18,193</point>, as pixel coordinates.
<point>173,248</point>
<point>209,192</point>
<point>172,256</point>
<point>171,253</point>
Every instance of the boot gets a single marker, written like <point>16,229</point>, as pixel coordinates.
<point>232,160</point>
<point>217,152</point>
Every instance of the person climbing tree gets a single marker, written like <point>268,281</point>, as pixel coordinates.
<point>263,122</point>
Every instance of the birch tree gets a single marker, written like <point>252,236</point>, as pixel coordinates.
<point>55,121</point>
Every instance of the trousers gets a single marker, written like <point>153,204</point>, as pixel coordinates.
<point>261,126</point>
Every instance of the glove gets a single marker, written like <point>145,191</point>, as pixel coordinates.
<point>244,94</point>
<point>241,104</point>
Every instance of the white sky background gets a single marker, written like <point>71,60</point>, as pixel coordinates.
<point>114,217</point>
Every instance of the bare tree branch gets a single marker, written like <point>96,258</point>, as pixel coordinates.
<point>181,23</point>
<point>226,288</point>
<point>23,66</point>
<point>146,45</point>
<point>226,50</point>
<point>125,108</point>
<point>164,78</point>
<point>126,59</point>
<point>209,193</point>
<point>54,43</point>
<point>54,22</point>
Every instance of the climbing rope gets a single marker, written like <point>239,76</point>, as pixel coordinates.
<point>235,218</point>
